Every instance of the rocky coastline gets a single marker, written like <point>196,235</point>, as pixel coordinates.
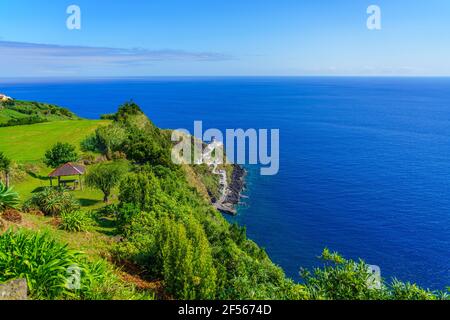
<point>234,191</point>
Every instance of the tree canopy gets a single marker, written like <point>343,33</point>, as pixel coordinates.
<point>105,177</point>
<point>60,154</point>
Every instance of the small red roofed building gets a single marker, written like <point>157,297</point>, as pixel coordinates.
<point>68,170</point>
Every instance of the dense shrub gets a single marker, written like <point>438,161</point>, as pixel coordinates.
<point>143,147</point>
<point>23,121</point>
<point>106,140</point>
<point>52,201</point>
<point>124,216</point>
<point>75,221</point>
<point>90,144</point>
<point>108,116</point>
<point>126,110</point>
<point>187,261</point>
<point>342,279</point>
<point>141,190</point>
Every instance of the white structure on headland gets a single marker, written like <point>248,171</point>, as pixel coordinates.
<point>4,97</point>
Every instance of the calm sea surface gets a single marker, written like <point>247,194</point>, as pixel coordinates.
<point>365,163</point>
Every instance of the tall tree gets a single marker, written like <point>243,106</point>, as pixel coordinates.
<point>59,154</point>
<point>105,177</point>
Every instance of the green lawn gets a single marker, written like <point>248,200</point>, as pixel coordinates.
<point>27,144</point>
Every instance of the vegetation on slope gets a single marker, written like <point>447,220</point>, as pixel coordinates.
<point>162,231</point>
<point>16,112</point>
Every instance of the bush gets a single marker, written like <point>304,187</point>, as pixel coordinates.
<point>342,279</point>
<point>126,110</point>
<point>23,121</point>
<point>90,144</point>
<point>39,259</point>
<point>53,271</point>
<point>60,154</point>
<point>107,211</point>
<point>125,215</point>
<point>105,140</point>
<point>76,221</point>
<point>408,291</point>
<point>52,201</point>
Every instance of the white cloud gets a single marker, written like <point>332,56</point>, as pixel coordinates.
<point>32,59</point>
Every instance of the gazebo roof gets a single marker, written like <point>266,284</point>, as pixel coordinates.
<point>68,169</point>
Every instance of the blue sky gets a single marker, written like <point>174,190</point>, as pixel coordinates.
<point>224,37</point>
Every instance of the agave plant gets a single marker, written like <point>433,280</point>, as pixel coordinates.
<point>43,261</point>
<point>8,197</point>
<point>53,201</point>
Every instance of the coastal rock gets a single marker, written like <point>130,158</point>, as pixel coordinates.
<point>14,290</point>
<point>235,188</point>
<point>237,185</point>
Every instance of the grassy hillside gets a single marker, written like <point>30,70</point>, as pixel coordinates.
<point>17,112</point>
<point>26,146</point>
<point>29,143</point>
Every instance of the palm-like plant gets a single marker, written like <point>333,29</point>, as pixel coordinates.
<point>53,201</point>
<point>8,197</point>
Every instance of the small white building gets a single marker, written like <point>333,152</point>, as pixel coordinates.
<point>4,97</point>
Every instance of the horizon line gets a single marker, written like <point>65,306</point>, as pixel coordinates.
<point>219,76</point>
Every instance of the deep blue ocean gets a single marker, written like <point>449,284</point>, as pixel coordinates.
<point>365,162</point>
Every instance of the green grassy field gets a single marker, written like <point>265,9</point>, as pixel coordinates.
<point>27,144</point>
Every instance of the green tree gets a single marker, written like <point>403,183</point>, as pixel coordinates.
<point>106,140</point>
<point>5,167</point>
<point>59,154</point>
<point>126,110</point>
<point>177,255</point>
<point>204,274</point>
<point>105,177</point>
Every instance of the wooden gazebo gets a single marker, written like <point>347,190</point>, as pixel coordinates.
<point>68,170</point>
